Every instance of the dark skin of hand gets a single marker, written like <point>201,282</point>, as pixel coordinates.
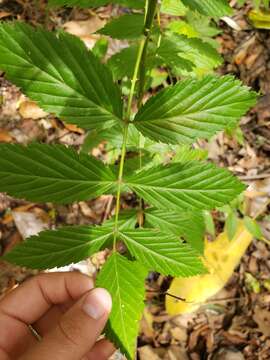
<point>67,312</point>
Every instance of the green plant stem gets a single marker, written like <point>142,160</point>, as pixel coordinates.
<point>120,178</point>
<point>150,14</point>
<point>140,63</point>
<point>151,11</point>
<point>135,77</point>
<point>159,25</point>
<point>125,134</point>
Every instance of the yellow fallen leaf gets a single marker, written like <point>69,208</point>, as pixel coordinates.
<point>221,257</point>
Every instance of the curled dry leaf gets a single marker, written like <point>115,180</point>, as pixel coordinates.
<point>221,258</point>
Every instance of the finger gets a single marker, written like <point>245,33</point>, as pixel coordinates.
<point>15,336</point>
<point>28,302</point>
<point>77,331</point>
<point>4,355</point>
<point>102,350</point>
<point>49,320</point>
<point>33,298</point>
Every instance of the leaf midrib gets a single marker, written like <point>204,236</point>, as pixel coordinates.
<point>59,179</point>
<point>120,302</point>
<point>147,249</point>
<point>175,189</point>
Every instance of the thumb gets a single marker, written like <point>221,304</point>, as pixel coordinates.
<point>77,330</point>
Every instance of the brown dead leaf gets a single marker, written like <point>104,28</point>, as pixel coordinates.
<point>5,137</point>
<point>262,319</point>
<point>210,341</point>
<point>227,354</point>
<point>24,207</point>
<point>14,240</point>
<point>235,338</point>
<point>4,14</point>
<point>258,204</point>
<point>242,51</point>
<point>87,211</point>
<point>253,194</point>
<point>8,218</point>
<point>148,353</point>
<point>74,128</point>
<point>179,334</point>
<point>147,324</point>
<point>30,110</point>
<point>201,331</point>
<point>175,353</point>
<point>85,29</point>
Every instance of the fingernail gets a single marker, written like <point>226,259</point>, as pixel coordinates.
<point>97,303</point>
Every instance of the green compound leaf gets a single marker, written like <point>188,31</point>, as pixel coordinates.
<point>231,224</point>
<point>162,252</point>
<point>60,74</point>
<point>253,227</point>
<point>194,109</point>
<point>173,7</point>
<point>189,225</point>
<point>54,248</point>
<point>66,245</point>
<point>213,8</point>
<point>209,223</point>
<point>100,48</point>
<point>204,26</point>
<point>52,173</point>
<point>136,4</point>
<point>177,51</point>
<point>122,63</point>
<point>169,54</point>
<point>189,186</point>
<point>124,280</point>
<point>129,26</point>
<point>127,220</point>
<point>185,153</point>
<point>182,27</point>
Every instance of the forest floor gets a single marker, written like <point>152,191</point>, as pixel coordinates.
<point>234,329</point>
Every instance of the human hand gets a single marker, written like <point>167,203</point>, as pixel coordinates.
<point>65,310</point>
